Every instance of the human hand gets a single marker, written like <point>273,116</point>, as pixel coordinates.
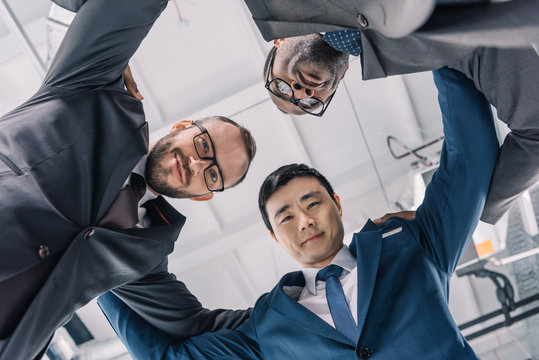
<point>131,85</point>
<point>406,214</point>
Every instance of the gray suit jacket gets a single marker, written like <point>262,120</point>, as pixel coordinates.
<point>457,37</point>
<point>500,24</point>
<point>64,155</point>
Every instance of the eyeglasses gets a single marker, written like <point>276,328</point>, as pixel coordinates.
<point>283,91</point>
<point>205,151</point>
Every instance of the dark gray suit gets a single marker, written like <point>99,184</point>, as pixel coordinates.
<point>453,36</point>
<point>64,156</point>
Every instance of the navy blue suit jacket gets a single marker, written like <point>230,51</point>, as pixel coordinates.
<point>403,278</point>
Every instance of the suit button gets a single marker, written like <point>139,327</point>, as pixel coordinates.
<point>362,21</point>
<point>43,252</point>
<point>89,233</point>
<point>364,352</point>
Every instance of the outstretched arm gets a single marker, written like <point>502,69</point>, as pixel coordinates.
<point>144,341</point>
<point>167,304</point>
<point>455,197</point>
<point>100,41</point>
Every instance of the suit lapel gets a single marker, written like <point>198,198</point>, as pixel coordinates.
<point>366,246</point>
<point>123,167</point>
<point>301,316</point>
<point>371,67</point>
<point>161,213</point>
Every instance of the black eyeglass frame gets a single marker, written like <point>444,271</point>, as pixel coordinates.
<point>212,158</point>
<point>292,100</point>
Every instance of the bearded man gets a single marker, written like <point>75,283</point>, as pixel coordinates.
<point>82,211</point>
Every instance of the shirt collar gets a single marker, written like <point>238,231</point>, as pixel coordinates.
<point>344,259</point>
<point>140,168</point>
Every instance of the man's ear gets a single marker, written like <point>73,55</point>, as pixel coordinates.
<point>273,236</point>
<point>278,42</point>
<point>204,197</point>
<point>182,124</point>
<point>338,203</point>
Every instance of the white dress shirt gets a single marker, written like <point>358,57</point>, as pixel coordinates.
<point>313,295</point>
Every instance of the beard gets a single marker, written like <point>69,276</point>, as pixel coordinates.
<point>156,175</point>
<point>312,49</point>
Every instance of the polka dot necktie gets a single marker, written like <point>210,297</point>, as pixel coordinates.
<point>346,41</point>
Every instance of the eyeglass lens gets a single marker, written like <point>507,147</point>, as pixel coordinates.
<point>212,174</point>
<point>282,89</point>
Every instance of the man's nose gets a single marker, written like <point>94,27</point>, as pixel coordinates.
<point>305,221</point>
<point>198,166</point>
<point>301,92</point>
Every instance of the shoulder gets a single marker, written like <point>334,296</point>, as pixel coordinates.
<point>261,308</point>
<point>395,232</point>
<point>276,294</point>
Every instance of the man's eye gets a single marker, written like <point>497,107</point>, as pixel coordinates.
<point>310,103</point>
<point>286,218</point>
<point>283,88</point>
<point>214,176</point>
<point>314,203</point>
<point>205,146</point>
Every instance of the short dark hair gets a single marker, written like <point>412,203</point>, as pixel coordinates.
<point>281,177</point>
<point>247,137</point>
<point>268,59</point>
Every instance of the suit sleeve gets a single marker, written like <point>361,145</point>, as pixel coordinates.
<point>455,197</point>
<point>167,304</point>
<point>143,341</point>
<point>502,24</point>
<point>509,78</point>
<point>100,41</point>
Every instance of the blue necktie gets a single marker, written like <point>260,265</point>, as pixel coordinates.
<point>346,41</point>
<point>340,312</point>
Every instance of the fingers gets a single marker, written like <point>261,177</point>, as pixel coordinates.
<point>382,219</point>
<point>131,85</point>
<point>406,214</point>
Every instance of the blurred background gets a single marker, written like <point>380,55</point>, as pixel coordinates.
<point>205,58</point>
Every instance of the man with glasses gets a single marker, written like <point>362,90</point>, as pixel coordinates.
<point>305,93</point>
<point>302,72</point>
<point>282,90</point>
<point>82,211</point>
<point>384,296</point>
<point>194,171</point>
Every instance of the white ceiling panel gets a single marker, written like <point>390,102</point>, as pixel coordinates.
<point>217,277</point>
<point>201,219</point>
<point>266,262</point>
<point>26,12</point>
<point>424,98</point>
<point>333,141</point>
<point>198,61</point>
<point>18,77</point>
<point>383,108</point>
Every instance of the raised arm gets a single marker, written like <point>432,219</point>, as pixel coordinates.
<point>455,197</point>
<point>100,41</point>
<point>167,304</point>
<point>143,341</point>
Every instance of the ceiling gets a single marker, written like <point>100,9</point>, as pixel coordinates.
<point>206,60</point>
